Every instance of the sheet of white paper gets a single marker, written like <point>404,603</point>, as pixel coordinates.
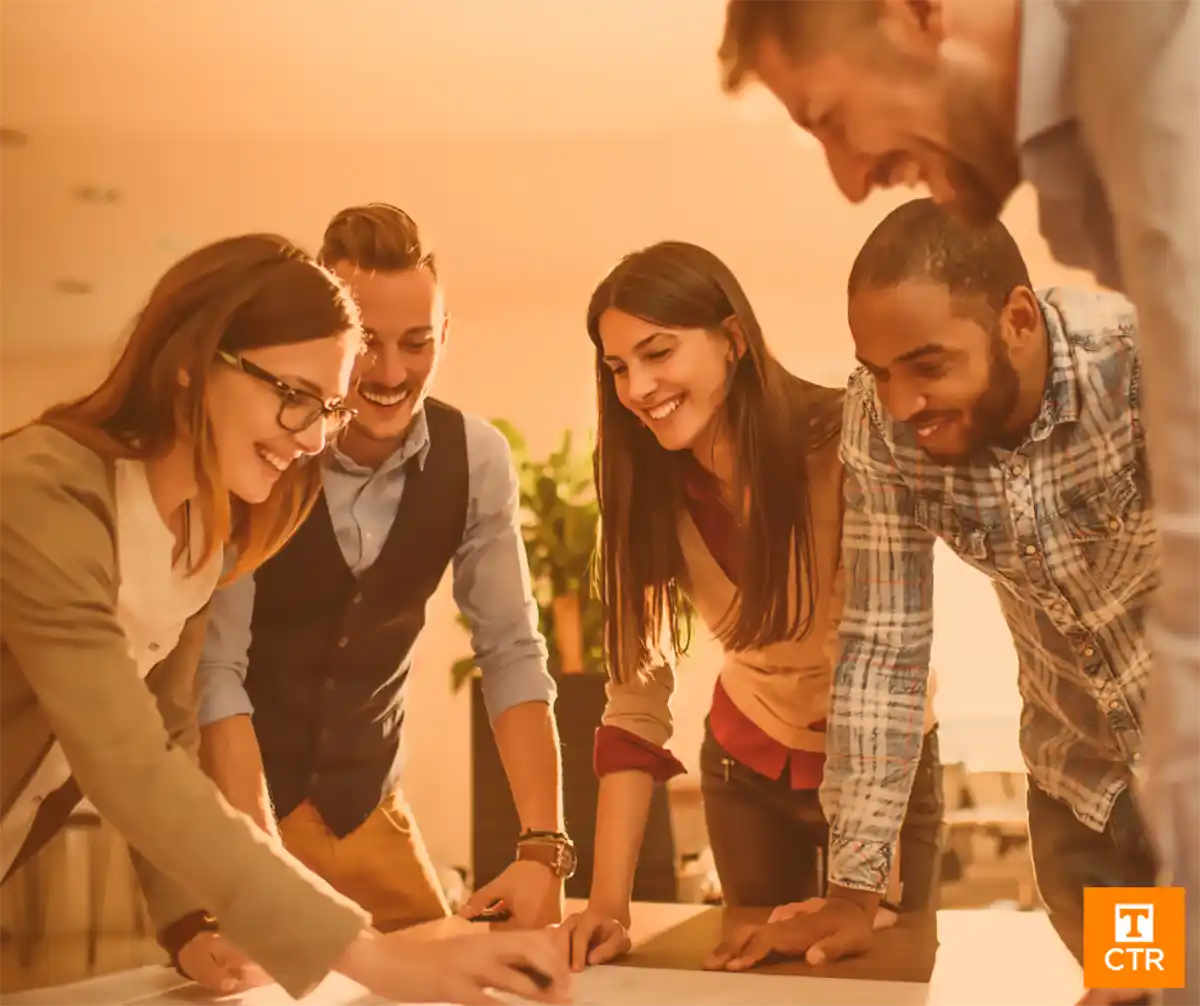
<point>594,987</point>
<point>621,986</point>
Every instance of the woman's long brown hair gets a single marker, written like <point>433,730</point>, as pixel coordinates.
<point>775,421</point>
<point>238,294</point>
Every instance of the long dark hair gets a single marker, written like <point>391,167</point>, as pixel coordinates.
<point>775,420</point>
<point>239,293</point>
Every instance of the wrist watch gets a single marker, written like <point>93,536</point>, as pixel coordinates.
<point>174,937</point>
<point>553,849</point>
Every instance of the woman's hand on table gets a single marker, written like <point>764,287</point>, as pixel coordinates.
<point>597,936</point>
<point>531,965</point>
<point>212,961</point>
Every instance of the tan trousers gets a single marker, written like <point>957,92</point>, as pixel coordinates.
<point>382,865</point>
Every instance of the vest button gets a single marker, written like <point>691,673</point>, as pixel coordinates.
<point>357,598</point>
<point>343,641</point>
<point>329,684</point>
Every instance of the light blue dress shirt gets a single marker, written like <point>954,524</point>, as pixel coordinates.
<point>491,574</point>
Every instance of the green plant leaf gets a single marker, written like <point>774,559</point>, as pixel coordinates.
<point>516,442</point>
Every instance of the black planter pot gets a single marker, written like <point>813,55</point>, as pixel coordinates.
<point>495,824</point>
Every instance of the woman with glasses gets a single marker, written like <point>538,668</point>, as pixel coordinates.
<point>120,511</point>
<point>720,491</point>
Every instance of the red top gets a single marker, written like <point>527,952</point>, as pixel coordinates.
<point>619,750</point>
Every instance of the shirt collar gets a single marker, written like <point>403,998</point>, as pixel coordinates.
<point>415,445</point>
<point>1043,101</point>
<point>1060,403</point>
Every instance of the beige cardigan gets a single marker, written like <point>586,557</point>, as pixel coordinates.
<point>781,687</point>
<point>65,674</point>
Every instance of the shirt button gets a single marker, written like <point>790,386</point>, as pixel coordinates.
<point>1031,550</point>
<point>1114,704</point>
<point>1089,651</point>
<point>1114,525</point>
<point>343,641</point>
<point>1015,469</point>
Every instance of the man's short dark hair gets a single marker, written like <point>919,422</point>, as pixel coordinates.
<point>805,28</point>
<point>377,237</point>
<point>921,241</point>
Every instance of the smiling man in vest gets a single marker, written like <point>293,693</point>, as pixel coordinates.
<point>302,681</point>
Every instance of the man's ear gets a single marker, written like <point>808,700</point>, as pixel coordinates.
<point>915,26</point>
<point>445,328</point>
<point>1021,319</point>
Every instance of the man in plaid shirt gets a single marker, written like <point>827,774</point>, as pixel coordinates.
<point>1006,424</point>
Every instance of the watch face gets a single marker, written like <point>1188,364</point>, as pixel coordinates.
<point>568,861</point>
<point>560,856</point>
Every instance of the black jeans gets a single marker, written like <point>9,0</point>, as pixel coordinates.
<point>769,840</point>
<point>1069,856</point>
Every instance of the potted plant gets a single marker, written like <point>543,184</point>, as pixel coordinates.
<point>559,526</point>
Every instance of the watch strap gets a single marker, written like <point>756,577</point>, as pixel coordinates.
<point>552,849</point>
<point>534,834</point>
<point>175,936</point>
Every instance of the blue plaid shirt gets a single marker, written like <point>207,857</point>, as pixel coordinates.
<point>1063,527</point>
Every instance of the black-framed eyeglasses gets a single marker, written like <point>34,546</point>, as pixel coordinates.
<point>298,408</point>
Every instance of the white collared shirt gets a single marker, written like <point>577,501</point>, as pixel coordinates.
<point>154,600</point>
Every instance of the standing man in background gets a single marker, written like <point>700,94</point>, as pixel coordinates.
<point>302,681</point>
<point>1097,104</point>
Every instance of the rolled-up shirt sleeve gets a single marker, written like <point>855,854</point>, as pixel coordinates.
<point>221,674</point>
<point>636,725</point>
<point>491,580</point>
<point>877,708</point>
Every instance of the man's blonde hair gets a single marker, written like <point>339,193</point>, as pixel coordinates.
<point>805,28</point>
<point>377,237</point>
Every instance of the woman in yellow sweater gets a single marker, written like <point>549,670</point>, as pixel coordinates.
<point>720,491</point>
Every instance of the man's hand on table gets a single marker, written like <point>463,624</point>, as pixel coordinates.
<point>1115,997</point>
<point>528,891</point>
<point>598,935</point>
<point>885,918</point>
<point>212,961</point>
<point>839,927</point>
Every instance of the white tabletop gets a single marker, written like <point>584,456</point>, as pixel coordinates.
<point>989,957</point>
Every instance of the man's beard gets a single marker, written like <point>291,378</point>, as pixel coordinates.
<point>982,166</point>
<point>992,410</point>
